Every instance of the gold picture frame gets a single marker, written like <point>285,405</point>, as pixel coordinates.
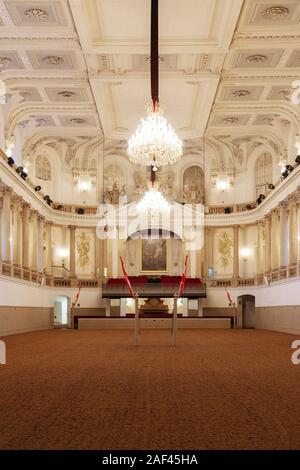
<point>154,255</point>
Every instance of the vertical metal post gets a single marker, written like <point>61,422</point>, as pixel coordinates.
<point>174,326</point>
<point>234,317</point>
<point>136,322</point>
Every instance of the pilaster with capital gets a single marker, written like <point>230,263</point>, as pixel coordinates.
<point>274,240</point>
<point>25,235</point>
<point>267,250</point>
<point>48,259</point>
<point>6,224</point>
<point>259,249</point>
<point>40,243</point>
<point>72,229</point>
<point>293,231</point>
<point>17,224</point>
<point>34,239</point>
<point>235,254</point>
<point>283,235</point>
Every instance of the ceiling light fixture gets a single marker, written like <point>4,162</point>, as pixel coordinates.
<point>153,200</point>
<point>154,142</point>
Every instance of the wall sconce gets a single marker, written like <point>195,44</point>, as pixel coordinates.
<point>245,253</point>
<point>282,164</point>
<point>297,144</point>
<point>84,184</point>
<point>223,182</point>
<point>62,253</point>
<point>129,302</point>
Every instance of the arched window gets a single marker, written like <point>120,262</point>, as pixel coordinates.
<point>114,184</point>
<point>263,173</point>
<point>193,185</point>
<point>43,168</point>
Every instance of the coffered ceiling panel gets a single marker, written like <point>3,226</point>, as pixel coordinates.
<point>242,93</point>
<point>275,14</point>
<point>67,94</point>
<point>53,60</point>
<point>77,121</point>
<point>28,94</point>
<point>258,58</point>
<point>43,120</point>
<point>36,14</point>
<point>111,26</point>
<point>230,120</point>
<point>10,60</point>
<point>280,93</point>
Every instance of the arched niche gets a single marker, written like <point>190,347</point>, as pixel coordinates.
<point>193,185</point>
<point>43,168</point>
<point>114,183</point>
<point>172,244</point>
<point>263,173</point>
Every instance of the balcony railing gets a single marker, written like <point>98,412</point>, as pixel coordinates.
<point>29,275</point>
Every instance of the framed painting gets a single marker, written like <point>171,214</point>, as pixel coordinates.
<point>154,255</point>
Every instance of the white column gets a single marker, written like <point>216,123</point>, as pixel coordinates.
<point>17,230</point>
<point>6,225</point>
<point>49,248</point>
<point>293,231</point>
<point>34,239</point>
<point>274,240</point>
<point>72,251</point>
<point>267,251</point>
<point>236,273</point>
<point>283,235</point>
<point>40,243</point>
<point>259,251</point>
<point>25,235</point>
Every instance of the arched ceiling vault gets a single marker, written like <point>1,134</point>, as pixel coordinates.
<point>81,68</point>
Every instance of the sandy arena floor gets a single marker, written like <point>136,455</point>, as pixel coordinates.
<point>219,389</point>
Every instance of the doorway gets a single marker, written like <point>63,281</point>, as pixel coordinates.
<point>246,311</point>
<point>62,312</point>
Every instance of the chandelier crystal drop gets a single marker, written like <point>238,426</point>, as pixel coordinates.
<point>154,142</point>
<point>153,200</point>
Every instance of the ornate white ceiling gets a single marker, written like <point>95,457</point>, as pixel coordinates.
<point>226,66</point>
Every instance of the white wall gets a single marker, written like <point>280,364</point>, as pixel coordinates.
<point>285,293</point>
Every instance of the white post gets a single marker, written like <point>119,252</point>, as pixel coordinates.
<point>174,329</point>
<point>137,322</point>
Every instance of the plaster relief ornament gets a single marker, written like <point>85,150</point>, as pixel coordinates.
<point>4,61</point>
<point>240,93</point>
<point>284,94</point>
<point>275,12</point>
<point>224,249</point>
<point>256,59</point>
<point>53,60</point>
<point>66,94</point>
<point>231,119</point>
<point>77,121</point>
<point>36,14</point>
<point>83,248</point>
<point>25,95</point>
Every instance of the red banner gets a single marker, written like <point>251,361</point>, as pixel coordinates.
<point>133,294</point>
<point>76,298</point>
<point>228,296</point>
<point>183,278</point>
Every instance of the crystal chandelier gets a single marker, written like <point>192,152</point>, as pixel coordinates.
<point>153,200</point>
<point>154,142</point>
